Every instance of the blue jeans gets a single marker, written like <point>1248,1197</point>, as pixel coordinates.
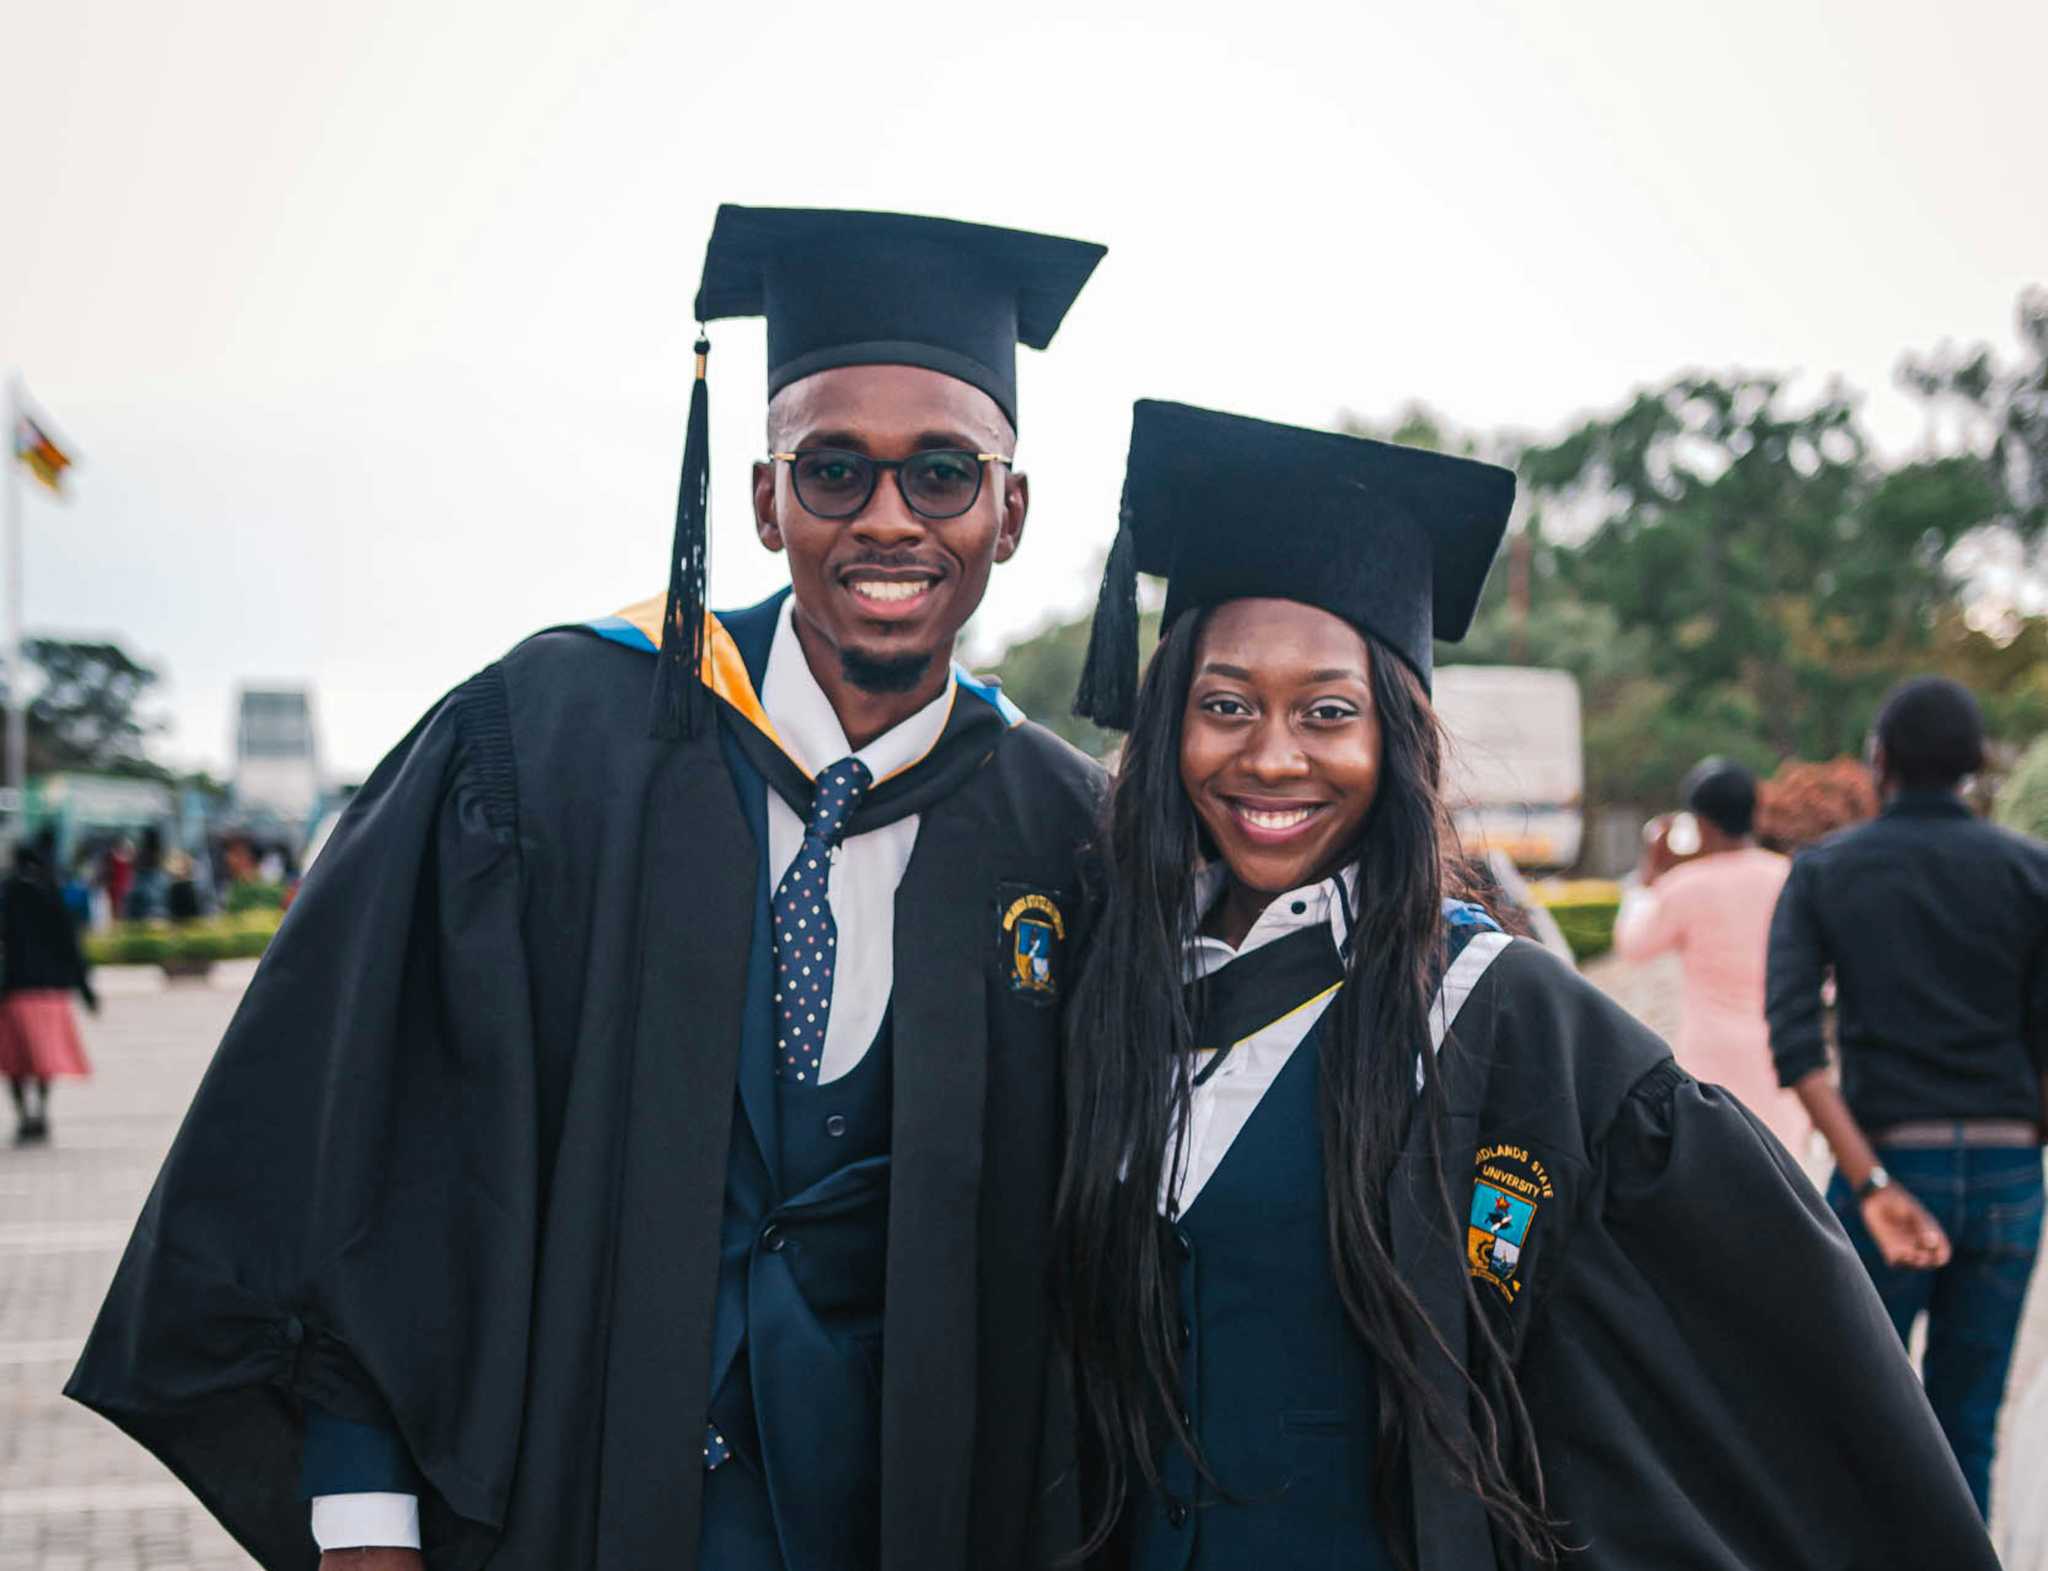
<point>1988,1201</point>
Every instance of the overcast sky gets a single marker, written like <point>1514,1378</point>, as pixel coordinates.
<point>370,323</point>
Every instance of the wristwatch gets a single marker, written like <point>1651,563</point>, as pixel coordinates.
<point>1878,1179</point>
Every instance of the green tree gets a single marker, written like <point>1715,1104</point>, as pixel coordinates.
<point>86,713</point>
<point>1783,578</point>
<point>1041,674</point>
<point>2005,410</point>
<point>2023,799</point>
<point>1415,424</point>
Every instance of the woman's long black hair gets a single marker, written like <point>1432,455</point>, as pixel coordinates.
<point>1128,1083</point>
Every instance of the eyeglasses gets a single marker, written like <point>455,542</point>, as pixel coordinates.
<point>941,482</point>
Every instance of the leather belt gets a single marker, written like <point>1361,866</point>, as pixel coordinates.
<point>1927,1133</point>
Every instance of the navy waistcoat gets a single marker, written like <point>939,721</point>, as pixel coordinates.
<point>797,1342</point>
<point>1275,1384</point>
<point>830,1126</point>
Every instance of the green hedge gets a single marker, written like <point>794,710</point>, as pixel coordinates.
<point>1587,925</point>
<point>240,937</point>
<point>2023,799</point>
<point>242,898</point>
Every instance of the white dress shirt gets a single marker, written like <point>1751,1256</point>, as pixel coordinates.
<point>862,892</point>
<point>366,1521</point>
<point>870,866</point>
<point>1222,1105</point>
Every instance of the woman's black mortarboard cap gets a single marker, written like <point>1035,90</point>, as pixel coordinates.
<point>847,288</point>
<point>1396,540</point>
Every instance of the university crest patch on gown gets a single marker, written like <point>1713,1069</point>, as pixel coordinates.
<point>1510,1189</point>
<point>1031,938</point>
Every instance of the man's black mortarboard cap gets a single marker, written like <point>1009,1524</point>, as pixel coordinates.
<point>1396,540</point>
<point>891,289</point>
<point>848,288</point>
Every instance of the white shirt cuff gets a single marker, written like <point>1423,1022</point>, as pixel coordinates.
<point>366,1521</point>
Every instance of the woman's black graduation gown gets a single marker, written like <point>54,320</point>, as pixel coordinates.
<point>457,1168</point>
<point>1712,1380</point>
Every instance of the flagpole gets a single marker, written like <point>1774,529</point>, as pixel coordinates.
<point>17,678</point>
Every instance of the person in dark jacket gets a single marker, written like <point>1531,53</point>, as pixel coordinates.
<point>1934,926</point>
<point>1384,1238</point>
<point>43,967</point>
<point>181,897</point>
<point>637,1147</point>
<point>148,895</point>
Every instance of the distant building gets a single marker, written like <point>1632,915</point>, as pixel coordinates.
<point>277,757</point>
<point>1514,769</point>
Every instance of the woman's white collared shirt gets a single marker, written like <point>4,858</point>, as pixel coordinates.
<point>1223,1104</point>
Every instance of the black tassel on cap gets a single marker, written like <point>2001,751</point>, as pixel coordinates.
<point>1108,693</point>
<point>678,689</point>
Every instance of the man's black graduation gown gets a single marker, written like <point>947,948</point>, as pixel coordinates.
<point>459,1164</point>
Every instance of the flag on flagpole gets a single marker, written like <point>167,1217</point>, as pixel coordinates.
<point>45,459</point>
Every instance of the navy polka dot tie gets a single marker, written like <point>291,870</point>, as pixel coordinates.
<point>806,937</point>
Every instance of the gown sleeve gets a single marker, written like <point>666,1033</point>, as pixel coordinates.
<point>1713,1380</point>
<point>347,1218</point>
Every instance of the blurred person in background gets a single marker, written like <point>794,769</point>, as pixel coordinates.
<point>77,889</point>
<point>91,871</point>
<point>150,891</point>
<point>1709,898</point>
<point>117,875</point>
<point>39,1039</point>
<point>1934,925</point>
<point>237,859</point>
<point>241,886</point>
<point>181,895</point>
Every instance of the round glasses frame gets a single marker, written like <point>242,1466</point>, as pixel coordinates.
<point>872,468</point>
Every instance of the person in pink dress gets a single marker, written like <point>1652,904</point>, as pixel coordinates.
<point>1711,903</point>
<point>43,967</point>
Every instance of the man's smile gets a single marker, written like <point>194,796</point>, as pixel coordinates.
<point>891,593</point>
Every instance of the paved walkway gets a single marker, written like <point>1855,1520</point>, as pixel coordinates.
<point>76,1495</point>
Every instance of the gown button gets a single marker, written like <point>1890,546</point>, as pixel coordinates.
<point>1187,1334</point>
<point>772,1239</point>
<point>1177,1514</point>
<point>835,1126</point>
<point>1182,1243</point>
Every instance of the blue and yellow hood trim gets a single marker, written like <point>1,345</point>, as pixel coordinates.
<point>725,670</point>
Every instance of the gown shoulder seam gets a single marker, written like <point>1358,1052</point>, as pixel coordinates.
<point>485,717</point>
<point>1657,1082</point>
